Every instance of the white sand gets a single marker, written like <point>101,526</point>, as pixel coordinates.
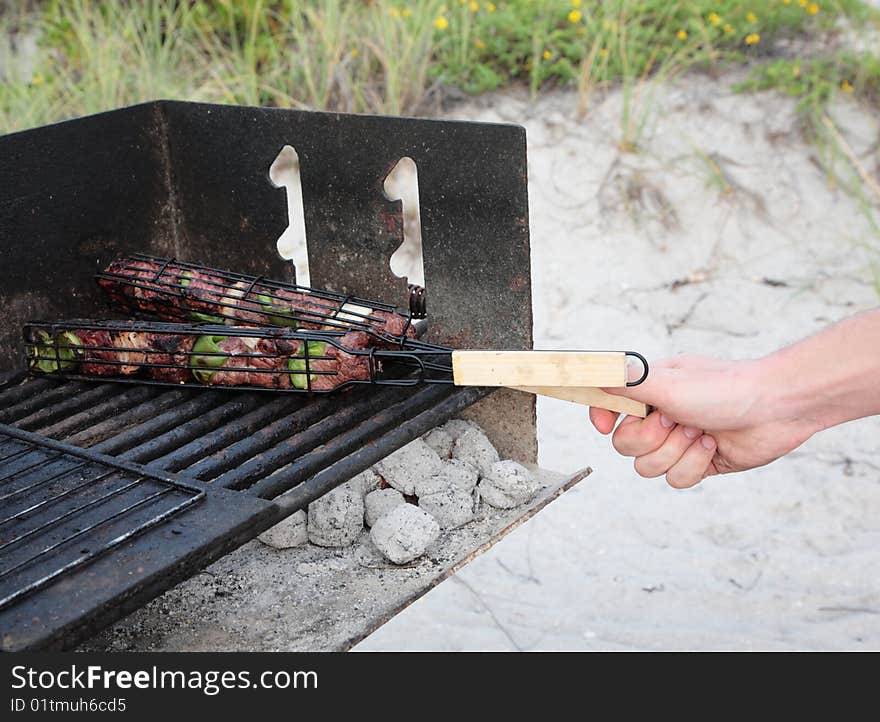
<point>785,557</point>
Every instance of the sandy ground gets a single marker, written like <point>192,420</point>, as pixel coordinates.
<point>721,235</point>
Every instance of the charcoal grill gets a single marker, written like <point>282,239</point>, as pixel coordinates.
<point>112,493</point>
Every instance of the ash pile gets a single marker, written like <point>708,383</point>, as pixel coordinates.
<point>437,482</point>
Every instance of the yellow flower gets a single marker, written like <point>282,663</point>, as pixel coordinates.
<point>812,8</point>
<point>603,52</point>
<point>354,52</point>
<point>441,23</point>
<point>751,17</point>
<point>491,7</point>
<point>547,55</point>
<point>796,71</point>
<point>753,39</point>
<point>479,43</point>
<point>786,2</point>
<point>406,12</point>
<point>37,79</point>
<point>574,16</point>
<point>394,12</point>
<point>729,29</point>
<point>682,35</point>
<point>802,3</point>
<point>474,6</point>
<point>575,3</point>
<point>715,18</point>
<point>846,86</point>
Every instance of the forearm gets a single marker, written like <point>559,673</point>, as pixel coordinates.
<point>826,379</point>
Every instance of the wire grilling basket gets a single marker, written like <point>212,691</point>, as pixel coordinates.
<point>173,290</point>
<point>229,357</point>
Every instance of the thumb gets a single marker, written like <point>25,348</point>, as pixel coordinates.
<point>655,390</point>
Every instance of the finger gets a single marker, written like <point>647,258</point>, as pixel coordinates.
<point>603,419</point>
<point>695,465</point>
<point>661,460</point>
<point>637,437</point>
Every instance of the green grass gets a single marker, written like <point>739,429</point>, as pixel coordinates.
<point>547,40</point>
<point>385,56</point>
<point>814,82</point>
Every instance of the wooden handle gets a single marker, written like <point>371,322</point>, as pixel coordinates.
<point>590,397</point>
<point>539,368</point>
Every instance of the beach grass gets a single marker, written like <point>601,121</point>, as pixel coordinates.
<point>398,57</point>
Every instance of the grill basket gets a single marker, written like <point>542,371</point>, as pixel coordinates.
<point>232,357</point>
<point>173,290</point>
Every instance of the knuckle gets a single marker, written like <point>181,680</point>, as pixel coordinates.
<point>647,468</point>
<point>665,456</point>
<point>638,442</point>
<point>676,481</point>
<point>680,480</point>
<point>620,448</point>
<point>620,443</point>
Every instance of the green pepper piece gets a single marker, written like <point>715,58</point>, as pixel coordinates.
<point>207,345</point>
<point>297,364</point>
<point>317,348</point>
<point>186,279</point>
<point>68,343</point>
<point>205,318</point>
<point>297,368</point>
<point>268,307</point>
<point>42,347</point>
<point>66,356</point>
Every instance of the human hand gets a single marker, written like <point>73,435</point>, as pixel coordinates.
<point>711,417</point>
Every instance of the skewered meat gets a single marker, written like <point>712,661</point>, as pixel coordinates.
<point>106,352</point>
<point>174,292</point>
<point>277,361</point>
<point>348,367</point>
<point>239,361</point>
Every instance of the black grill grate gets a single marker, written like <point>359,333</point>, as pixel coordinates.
<point>99,484</point>
<point>60,509</point>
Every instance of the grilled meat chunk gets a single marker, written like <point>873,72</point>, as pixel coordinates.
<point>239,361</point>
<point>125,353</point>
<point>347,366</point>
